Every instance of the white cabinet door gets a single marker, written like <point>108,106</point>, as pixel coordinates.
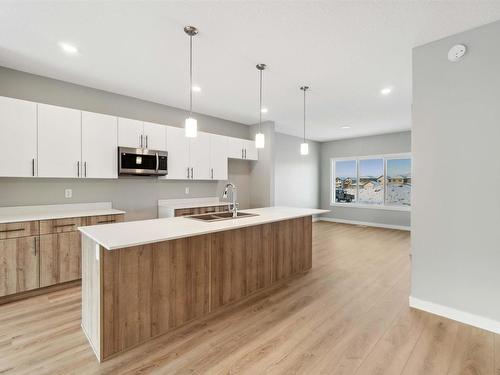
<point>199,156</point>
<point>130,133</point>
<point>178,154</point>
<point>218,157</point>
<point>59,141</point>
<point>234,148</point>
<point>99,145</point>
<point>250,151</point>
<point>17,138</point>
<point>155,136</point>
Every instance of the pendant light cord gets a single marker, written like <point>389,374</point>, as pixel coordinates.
<point>190,75</point>
<point>260,103</point>
<point>304,116</point>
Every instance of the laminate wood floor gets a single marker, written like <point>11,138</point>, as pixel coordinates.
<point>348,315</point>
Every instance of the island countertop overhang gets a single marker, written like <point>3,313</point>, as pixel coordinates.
<point>136,233</point>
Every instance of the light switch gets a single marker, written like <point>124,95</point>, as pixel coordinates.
<point>187,190</point>
<point>68,193</point>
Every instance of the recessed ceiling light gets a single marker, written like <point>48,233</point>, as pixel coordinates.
<point>68,48</point>
<point>345,127</point>
<point>386,91</point>
<point>264,110</point>
<point>196,89</point>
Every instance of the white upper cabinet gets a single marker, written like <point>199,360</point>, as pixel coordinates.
<point>17,138</point>
<point>59,141</point>
<point>99,145</point>
<point>178,154</point>
<point>139,134</point>
<point>218,157</point>
<point>154,136</point>
<point>250,151</point>
<point>199,156</point>
<point>130,133</point>
<point>242,149</point>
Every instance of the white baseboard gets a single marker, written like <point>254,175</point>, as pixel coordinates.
<point>457,315</point>
<point>368,224</point>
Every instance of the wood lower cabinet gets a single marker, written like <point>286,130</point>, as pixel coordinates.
<point>60,258</point>
<point>292,244</point>
<point>199,210</point>
<point>38,254</point>
<point>241,262</point>
<point>18,265</point>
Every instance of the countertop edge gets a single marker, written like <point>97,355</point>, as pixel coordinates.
<point>198,233</point>
<point>60,215</point>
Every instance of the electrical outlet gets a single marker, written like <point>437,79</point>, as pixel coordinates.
<point>186,190</point>
<point>68,193</point>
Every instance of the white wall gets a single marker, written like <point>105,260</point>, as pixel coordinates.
<point>296,177</point>
<point>456,203</point>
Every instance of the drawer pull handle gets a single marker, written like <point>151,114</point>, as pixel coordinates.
<point>63,225</point>
<point>12,230</point>
<point>105,221</point>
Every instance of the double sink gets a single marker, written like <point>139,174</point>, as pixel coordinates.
<point>218,216</point>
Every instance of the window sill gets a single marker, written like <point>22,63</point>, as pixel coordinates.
<point>371,206</point>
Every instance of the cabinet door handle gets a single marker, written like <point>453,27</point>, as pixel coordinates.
<point>85,168</point>
<point>12,230</point>
<point>78,169</point>
<point>192,173</point>
<point>242,154</point>
<point>35,251</point>
<point>245,153</point>
<point>141,140</point>
<point>106,221</point>
<point>212,173</point>
<point>188,172</point>
<point>33,167</point>
<point>63,225</point>
<point>147,141</point>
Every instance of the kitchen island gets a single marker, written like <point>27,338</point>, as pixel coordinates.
<point>142,279</point>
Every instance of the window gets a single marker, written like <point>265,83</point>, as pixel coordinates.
<point>345,181</point>
<point>371,181</point>
<point>398,182</point>
<point>382,181</point>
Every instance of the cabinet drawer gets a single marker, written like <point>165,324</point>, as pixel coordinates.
<point>61,225</point>
<point>19,229</point>
<point>105,219</point>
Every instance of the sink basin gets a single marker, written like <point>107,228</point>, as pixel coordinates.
<point>220,216</point>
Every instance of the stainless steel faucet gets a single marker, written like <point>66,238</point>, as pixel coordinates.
<point>232,206</point>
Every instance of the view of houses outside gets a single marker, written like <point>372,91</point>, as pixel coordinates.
<point>398,182</point>
<point>345,181</point>
<point>371,181</point>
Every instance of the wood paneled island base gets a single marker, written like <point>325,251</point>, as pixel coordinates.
<point>133,294</point>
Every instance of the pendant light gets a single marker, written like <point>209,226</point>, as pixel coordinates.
<point>259,137</point>
<point>191,125</point>
<point>304,146</point>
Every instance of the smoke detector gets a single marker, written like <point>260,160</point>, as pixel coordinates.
<point>457,52</point>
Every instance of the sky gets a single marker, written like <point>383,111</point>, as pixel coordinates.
<point>399,167</point>
<point>373,167</point>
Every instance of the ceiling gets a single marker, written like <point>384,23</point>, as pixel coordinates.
<point>345,51</point>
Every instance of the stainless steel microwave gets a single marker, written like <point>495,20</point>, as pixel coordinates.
<point>138,161</point>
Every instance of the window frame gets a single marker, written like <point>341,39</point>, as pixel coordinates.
<point>383,206</point>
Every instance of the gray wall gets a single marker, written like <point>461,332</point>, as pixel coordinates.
<point>374,145</point>
<point>455,217</point>
<point>262,172</point>
<point>135,195</point>
<point>296,177</point>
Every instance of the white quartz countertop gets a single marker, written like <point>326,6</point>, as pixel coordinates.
<point>135,233</point>
<point>55,211</point>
